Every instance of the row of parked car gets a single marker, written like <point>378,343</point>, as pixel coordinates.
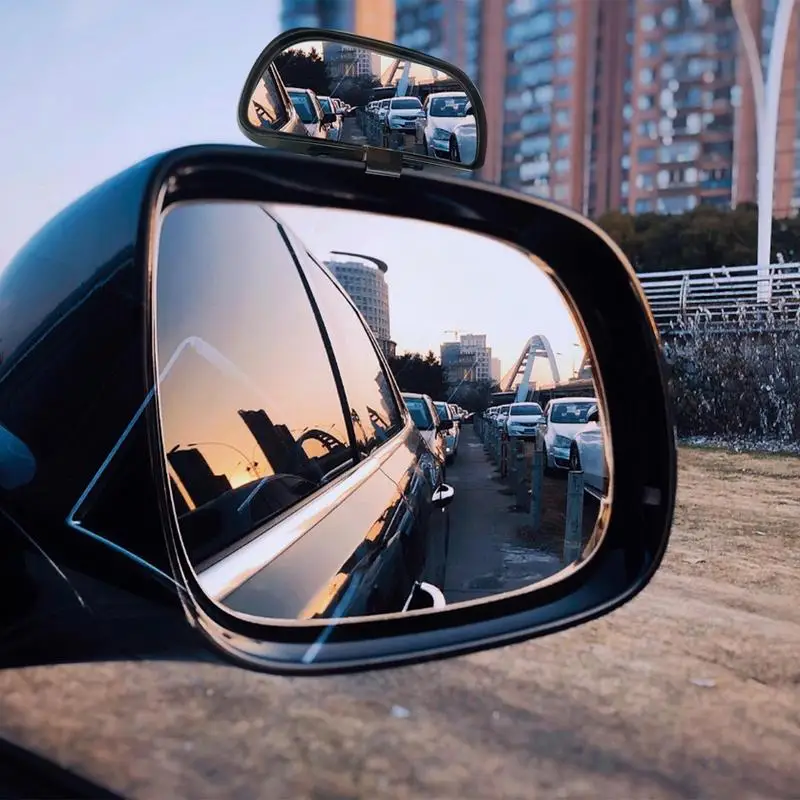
<point>322,116</point>
<point>567,431</point>
<point>443,124</point>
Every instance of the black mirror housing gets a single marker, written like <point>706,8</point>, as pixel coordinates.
<point>329,117</point>
<point>88,297</point>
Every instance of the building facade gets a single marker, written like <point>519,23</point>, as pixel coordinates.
<point>363,278</point>
<point>468,359</point>
<point>373,18</point>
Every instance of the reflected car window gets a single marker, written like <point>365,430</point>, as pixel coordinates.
<point>305,110</point>
<point>267,108</point>
<point>251,417</point>
<point>575,413</point>
<point>525,410</point>
<point>418,409</point>
<point>443,410</point>
<point>373,409</point>
<point>448,106</point>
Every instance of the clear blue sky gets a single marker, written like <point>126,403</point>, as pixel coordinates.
<point>90,86</point>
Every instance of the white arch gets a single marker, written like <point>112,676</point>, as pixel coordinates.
<point>537,346</point>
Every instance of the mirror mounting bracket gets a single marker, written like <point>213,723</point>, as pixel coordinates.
<point>383,162</point>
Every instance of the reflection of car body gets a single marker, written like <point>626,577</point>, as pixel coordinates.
<point>445,412</point>
<point>587,453</point>
<point>329,106</point>
<point>271,108</point>
<point>427,420</point>
<point>463,145</point>
<point>382,108</point>
<point>443,112</point>
<point>523,420</point>
<point>500,417</point>
<point>309,111</point>
<point>564,418</point>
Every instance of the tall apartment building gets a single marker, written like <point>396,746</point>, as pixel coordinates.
<point>374,18</point>
<point>638,105</point>
<point>364,280</point>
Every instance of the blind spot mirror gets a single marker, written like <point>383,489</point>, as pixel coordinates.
<point>421,108</point>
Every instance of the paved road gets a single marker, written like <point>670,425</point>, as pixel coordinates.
<point>489,551</point>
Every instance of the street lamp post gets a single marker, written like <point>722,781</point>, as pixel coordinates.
<point>766,100</point>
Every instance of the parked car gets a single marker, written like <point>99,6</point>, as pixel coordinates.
<point>523,420</point>
<point>329,106</point>
<point>316,120</point>
<point>587,454</point>
<point>401,117</point>
<point>443,112</point>
<point>564,418</point>
<point>270,107</point>
<point>433,428</point>
<point>445,412</point>
<point>463,145</point>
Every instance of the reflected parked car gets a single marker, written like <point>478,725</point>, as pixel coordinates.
<point>316,120</point>
<point>329,106</point>
<point>523,420</point>
<point>443,112</point>
<point>587,453</point>
<point>464,139</point>
<point>564,418</point>
<point>451,436</point>
<point>433,429</point>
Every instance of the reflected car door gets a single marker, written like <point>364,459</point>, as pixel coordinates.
<point>400,548</point>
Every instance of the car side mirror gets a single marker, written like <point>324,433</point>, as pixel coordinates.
<point>328,117</point>
<point>445,425</point>
<point>467,109</point>
<point>443,496</point>
<point>593,416</point>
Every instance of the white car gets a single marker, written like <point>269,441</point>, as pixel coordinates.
<point>443,112</point>
<point>402,115</point>
<point>523,420</point>
<point>382,109</point>
<point>444,410</point>
<point>310,112</point>
<point>500,417</point>
<point>564,417</point>
<point>464,139</point>
<point>587,453</point>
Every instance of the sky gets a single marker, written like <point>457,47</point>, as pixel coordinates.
<point>445,279</point>
<point>96,85</point>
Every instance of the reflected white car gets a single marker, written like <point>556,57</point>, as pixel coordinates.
<point>564,418</point>
<point>444,111</point>
<point>464,139</point>
<point>587,453</point>
<point>523,420</point>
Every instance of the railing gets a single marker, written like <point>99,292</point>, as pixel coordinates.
<point>724,297</point>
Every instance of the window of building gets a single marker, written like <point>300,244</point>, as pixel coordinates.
<point>254,446</point>
<point>646,155</point>
<point>647,22</point>
<point>564,67</point>
<point>646,76</point>
<point>561,192</point>
<point>643,206</point>
<point>562,141</point>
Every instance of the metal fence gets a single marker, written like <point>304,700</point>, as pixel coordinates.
<point>724,297</point>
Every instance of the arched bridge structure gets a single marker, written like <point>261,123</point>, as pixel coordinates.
<point>519,376</point>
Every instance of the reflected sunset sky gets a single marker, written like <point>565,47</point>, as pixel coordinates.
<point>442,278</point>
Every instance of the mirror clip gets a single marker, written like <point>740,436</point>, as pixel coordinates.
<point>383,162</point>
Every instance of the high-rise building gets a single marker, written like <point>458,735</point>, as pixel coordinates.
<point>496,369</point>
<point>364,280</point>
<point>638,105</point>
<point>468,359</point>
<point>373,18</point>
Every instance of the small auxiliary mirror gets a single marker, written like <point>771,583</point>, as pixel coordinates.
<point>335,94</point>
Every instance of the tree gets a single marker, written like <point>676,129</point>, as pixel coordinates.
<point>303,70</point>
<point>704,237</point>
<point>420,374</point>
<point>357,91</point>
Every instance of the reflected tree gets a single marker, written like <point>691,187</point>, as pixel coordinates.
<point>303,70</point>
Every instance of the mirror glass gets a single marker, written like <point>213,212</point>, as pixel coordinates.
<point>369,415</point>
<point>343,93</point>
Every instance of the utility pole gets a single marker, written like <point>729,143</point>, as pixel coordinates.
<point>767,97</point>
